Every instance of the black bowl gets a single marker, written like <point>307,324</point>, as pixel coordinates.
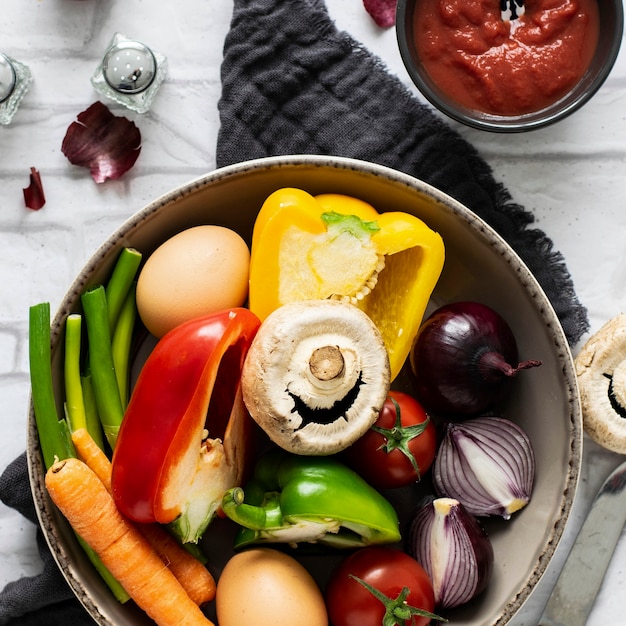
<point>610,37</point>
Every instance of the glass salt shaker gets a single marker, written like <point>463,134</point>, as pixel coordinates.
<point>15,77</point>
<point>130,73</point>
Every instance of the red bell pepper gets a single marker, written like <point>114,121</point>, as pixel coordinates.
<point>185,435</point>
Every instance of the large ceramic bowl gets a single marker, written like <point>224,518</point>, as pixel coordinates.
<point>611,27</point>
<point>479,265</point>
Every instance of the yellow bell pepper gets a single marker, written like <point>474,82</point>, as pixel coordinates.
<point>308,247</point>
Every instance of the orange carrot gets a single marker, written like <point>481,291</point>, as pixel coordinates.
<point>191,573</point>
<point>93,456</point>
<point>89,508</point>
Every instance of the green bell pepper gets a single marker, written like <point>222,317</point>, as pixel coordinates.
<point>293,499</point>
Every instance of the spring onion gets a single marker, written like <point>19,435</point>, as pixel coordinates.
<point>54,433</point>
<point>101,366</point>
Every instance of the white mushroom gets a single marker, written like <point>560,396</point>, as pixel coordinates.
<point>316,376</point>
<point>601,373</point>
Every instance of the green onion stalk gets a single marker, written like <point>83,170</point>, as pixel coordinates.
<point>110,313</point>
<point>54,435</point>
<point>54,432</point>
<point>76,402</point>
<point>101,365</point>
<point>115,303</point>
<point>120,283</point>
<point>121,343</point>
<point>95,398</point>
<point>91,410</point>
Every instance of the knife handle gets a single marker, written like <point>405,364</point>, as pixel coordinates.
<point>580,580</point>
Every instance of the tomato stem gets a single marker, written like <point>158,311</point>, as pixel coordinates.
<point>398,436</point>
<point>397,611</point>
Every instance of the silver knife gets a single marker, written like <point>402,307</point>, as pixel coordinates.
<point>581,577</point>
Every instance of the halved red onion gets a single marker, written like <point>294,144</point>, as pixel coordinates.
<point>107,144</point>
<point>487,464</point>
<point>451,545</point>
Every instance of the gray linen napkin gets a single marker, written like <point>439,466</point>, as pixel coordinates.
<point>44,599</point>
<point>294,84</point>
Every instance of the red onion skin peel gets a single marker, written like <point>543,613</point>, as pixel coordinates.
<point>383,12</point>
<point>34,196</point>
<point>464,360</point>
<point>107,144</point>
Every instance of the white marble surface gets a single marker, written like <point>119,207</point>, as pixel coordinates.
<point>571,175</point>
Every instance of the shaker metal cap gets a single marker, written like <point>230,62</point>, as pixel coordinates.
<point>129,67</point>
<point>130,73</point>
<point>15,77</point>
<point>8,77</point>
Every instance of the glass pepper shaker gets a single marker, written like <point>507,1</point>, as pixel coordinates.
<point>15,77</point>
<point>130,73</point>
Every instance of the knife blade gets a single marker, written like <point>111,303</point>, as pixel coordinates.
<point>580,579</point>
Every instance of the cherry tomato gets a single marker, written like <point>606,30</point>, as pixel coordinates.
<point>399,448</point>
<point>388,571</point>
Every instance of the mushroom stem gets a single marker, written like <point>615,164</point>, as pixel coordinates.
<point>327,363</point>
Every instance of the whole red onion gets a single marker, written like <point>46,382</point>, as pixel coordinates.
<point>464,359</point>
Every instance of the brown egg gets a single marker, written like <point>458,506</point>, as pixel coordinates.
<point>265,587</point>
<point>199,271</point>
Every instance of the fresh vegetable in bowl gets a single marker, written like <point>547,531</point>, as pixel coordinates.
<point>441,531</point>
<point>338,246</point>
<point>190,572</point>
<point>187,411</point>
<point>486,463</point>
<point>299,499</point>
<point>464,359</point>
<point>380,585</point>
<point>89,507</point>
<point>316,376</point>
<point>399,448</point>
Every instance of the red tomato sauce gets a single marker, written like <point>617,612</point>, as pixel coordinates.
<point>506,67</point>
